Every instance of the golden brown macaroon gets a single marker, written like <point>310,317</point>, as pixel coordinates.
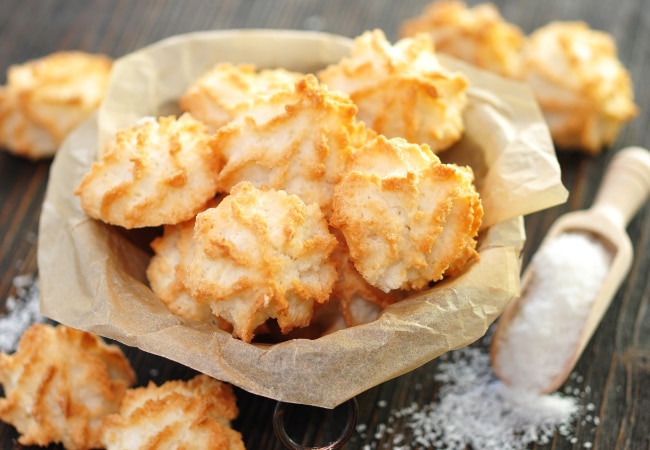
<point>407,218</point>
<point>225,90</point>
<point>358,301</point>
<point>60,384</point>
<point>402,90</point>
<point>584,91</point>
<point>46,98</point>
<point>262,254</point>
<point>478,35</point>
<point>296,140</point>
<point>159,171</point>
<point>18,134</point>
<point>167,271</point>
<point>187,415</point>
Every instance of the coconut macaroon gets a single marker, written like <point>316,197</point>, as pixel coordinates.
<point>19,135</point>
<point>407,218</point>
<point>262,254</point>
<point>402,90</point>
<point>358,301</point>
<point>584,91</point>
<point>192,414</point>
<point>60,384</point>
<point>46,98</point>
<point>295,140</point>
<point>218,95</point>
<point>478,35</point>
<point>167,270</point>
<point>153,173</point>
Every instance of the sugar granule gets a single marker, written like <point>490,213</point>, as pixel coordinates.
<point>22,311</point>
<point>476,409</point>
<point>567,274</point>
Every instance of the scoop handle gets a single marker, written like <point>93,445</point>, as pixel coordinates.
<point>625,186</point>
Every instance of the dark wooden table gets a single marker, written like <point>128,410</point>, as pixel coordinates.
<point>615,367</point>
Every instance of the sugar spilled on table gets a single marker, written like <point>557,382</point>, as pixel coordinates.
<point>22,310</point>
<point>475,409</point>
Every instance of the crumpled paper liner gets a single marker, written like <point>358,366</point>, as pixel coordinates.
<point>93,274</point>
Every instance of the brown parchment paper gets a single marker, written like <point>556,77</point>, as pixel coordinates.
<point>93,275</point>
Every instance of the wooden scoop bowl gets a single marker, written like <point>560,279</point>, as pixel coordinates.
<point>624,188</point>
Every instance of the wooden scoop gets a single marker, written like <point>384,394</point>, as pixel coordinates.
<point>623,190</point>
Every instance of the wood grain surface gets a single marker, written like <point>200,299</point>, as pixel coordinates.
<point>615,367</point>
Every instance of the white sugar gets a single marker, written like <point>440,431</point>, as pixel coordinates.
<point>568,273</point>
<point>22,311</point>
<point>478,411</point>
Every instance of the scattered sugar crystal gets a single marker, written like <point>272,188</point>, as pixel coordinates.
<point>476,410</point>
<point>381,430</point>
<point>382,403</point>
<point>31,237</point>
<point>22,311</point>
